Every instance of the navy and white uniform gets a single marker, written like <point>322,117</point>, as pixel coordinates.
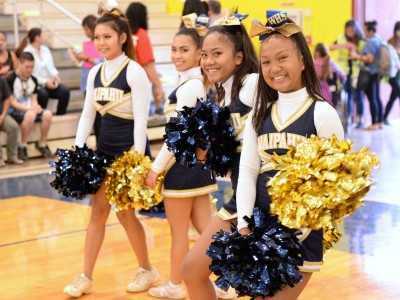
<point>117,89</point>
<point>239,109</point>
<point>290,120</point>
<point>181,181</point>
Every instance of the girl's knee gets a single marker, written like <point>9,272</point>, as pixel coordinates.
<point>125,216</point>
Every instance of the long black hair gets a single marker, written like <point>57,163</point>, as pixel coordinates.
<point>267,95</point>
<point>136,14</point>
<point>359,33</point>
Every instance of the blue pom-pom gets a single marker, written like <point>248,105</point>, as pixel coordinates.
<point>205,126</point>
<point>260,263</point>
<point>79,172</point>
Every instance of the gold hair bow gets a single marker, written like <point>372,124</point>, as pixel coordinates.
<point>286,29</point>
<point>111,7</point>
<point>197,23</point>
<point>236,19</point>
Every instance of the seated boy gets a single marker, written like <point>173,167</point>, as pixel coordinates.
<point>25,108</point>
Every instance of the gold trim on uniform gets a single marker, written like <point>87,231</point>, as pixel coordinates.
<point>106,83</point>
<point>108,107</point>
<point>226,215</point>
<point>305,232</point>
<point>238,123</point>
<point>190,192</point>
<point>310,266</point>
<point>276,120</point>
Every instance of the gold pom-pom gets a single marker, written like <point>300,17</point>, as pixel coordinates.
<point>319,182</point>
<point>331,236</point>
<point>125,183</point>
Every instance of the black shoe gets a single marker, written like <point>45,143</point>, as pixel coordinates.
<point>23,153</point>
<point>44,150</point>
<point>386,122</point>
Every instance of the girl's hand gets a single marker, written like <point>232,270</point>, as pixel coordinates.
<point>244,230</point>
<point>151,179</point>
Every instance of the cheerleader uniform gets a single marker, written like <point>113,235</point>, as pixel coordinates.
<point>181,181</point>
<point>290,120</point>
<point>239,109</point>
<point>117,89</point>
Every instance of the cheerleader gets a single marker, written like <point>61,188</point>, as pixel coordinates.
<point>186,191</point>
<point>117,89</point>
<point>289,108</point>
<point>230,63</point>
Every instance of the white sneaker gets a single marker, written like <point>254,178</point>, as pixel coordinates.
<point>167,291</point>
<point>143,280</point>
<point>81,285</point>
<point>221,294</point>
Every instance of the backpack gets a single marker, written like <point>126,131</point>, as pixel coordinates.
<point>385,58</point>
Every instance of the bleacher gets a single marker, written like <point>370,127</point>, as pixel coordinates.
<point>162,28</point>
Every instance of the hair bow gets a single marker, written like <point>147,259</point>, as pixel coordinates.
<point>197,23</point>
<point>111,7</point>
<point>276,21</point>
<point>236,19</point>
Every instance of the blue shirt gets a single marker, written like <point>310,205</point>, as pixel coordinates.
<point>372,46</point>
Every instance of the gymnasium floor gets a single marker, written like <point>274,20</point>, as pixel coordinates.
<point>42,237</point>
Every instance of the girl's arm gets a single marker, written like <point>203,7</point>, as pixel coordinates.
<point>89,110</point>
<point>327,121</point>
<point>139,83</point>
<point>250,162</point>
<point>248,92</point>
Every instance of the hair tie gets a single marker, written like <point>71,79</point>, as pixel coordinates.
<point>109,8</point>
<point>276,21</point>
<point>235,19</point>
<point>197,23</point>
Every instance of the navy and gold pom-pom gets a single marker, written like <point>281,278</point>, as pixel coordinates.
<point>205,126</point>
<point>260,263</point>
<point>125,183</point>
<point>79,172</point>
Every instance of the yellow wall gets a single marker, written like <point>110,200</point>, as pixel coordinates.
<point>325,20</point>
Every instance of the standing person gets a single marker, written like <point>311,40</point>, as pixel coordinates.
<point>186,190</point>
<point>394,73</point>
<point>8,59</point>
<point>352,40</point>
<point>289,109</point>
<point>45,71</point>
<point>370,56</point>
<point>90,57</point>
<point>214,11</point>
<point>25,107</point>
<point>118,89</point>
<point>8,125</point>
<point>136,13</point>
<point>325,67</point>
<point>230,62</point>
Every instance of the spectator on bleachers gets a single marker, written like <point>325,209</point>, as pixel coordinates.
<point>90,57</point>
<point>394,76</point>
<point>326,68</point>
<point>8,59</point>
<point>25,108</point>
<point>352,40</point>
<point>214,11</point>
<point>136,15</point>
<point>8,125</point>
<point>45,71</point>
<point>194,6</point>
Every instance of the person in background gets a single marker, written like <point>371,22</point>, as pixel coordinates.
<point>25,107</point>
<point>214,11</point>
<point>90,57</point>
<point>8,125</point>
<point>325,68</point>
<point>352,40</point>
<point>136,14</point>
<point>194,6</point>
<point>394,73</point>
<point>45,71</point>
<point>370,56</point>
<point>8,59</point>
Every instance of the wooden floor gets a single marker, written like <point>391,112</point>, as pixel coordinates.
<point>42,239</point>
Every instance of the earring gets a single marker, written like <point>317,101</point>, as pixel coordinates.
<point>302,67</point>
